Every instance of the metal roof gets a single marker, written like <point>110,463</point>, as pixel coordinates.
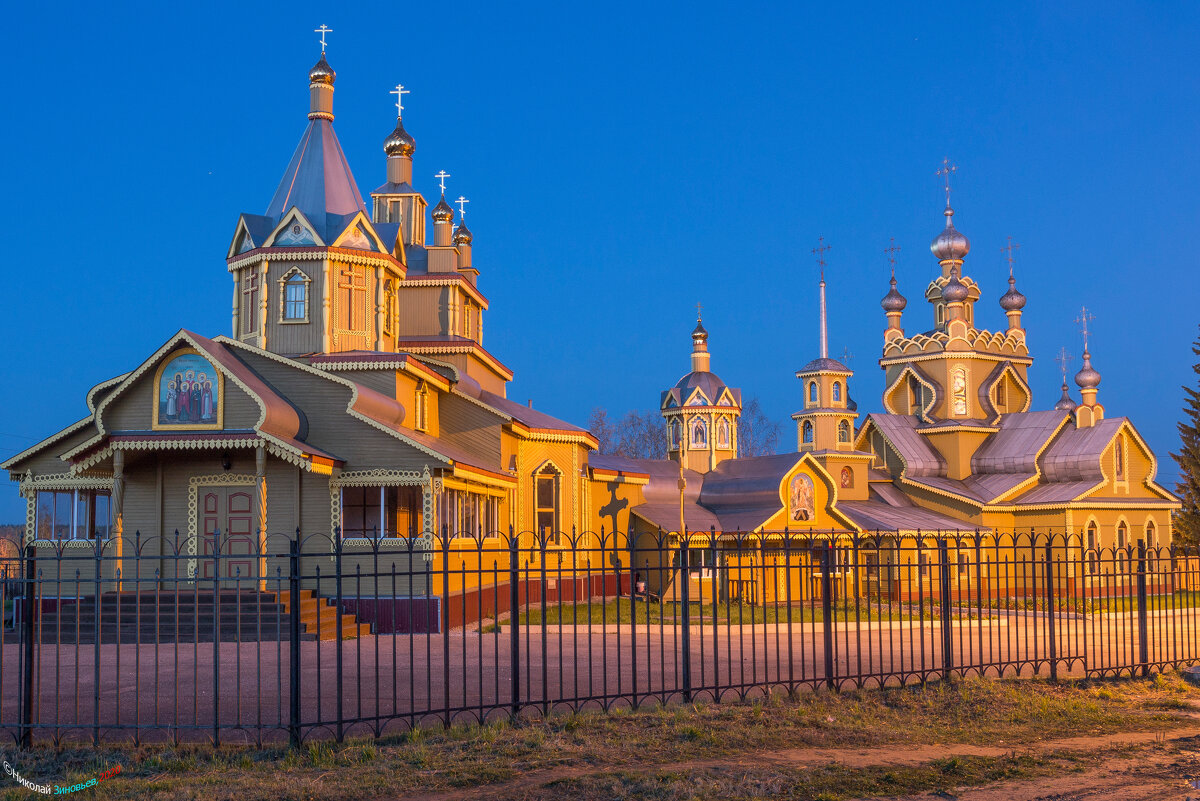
<point>318,179</point>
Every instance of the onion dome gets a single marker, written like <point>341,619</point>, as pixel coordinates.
<point>893,301</point>
<point>699,335</point>
<point>442,211</point>
<point>1012,300</point>
<point>1087,377</point>
<point>322,72</point>
<point>399,142</point>
<point>1065,404</point>
<point>462,234</point>
<point>955,291</point>
<point>950,244</point>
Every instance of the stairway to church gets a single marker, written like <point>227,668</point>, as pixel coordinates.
<point>163,617</point>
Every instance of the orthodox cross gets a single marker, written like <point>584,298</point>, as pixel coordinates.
<point>945,172</point>
<point>819,252</point>
<point>1063,358</point>
<point>399,92</point>
<point>698,309</point>
<point>442,175</point>
<point>846,356</point>
<point>462,211</point>
<point>1083,319</point>
<point>892,250</point>
<point>323,30</point>
<point>1009,248</point>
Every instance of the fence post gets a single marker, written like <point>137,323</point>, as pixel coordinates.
<point>1143,639</point>
<point>30,629</point>
<point>339,542</point>
<point>1051,616</point>
<point>827,609</point>
<point>944,606</point>
<point>294,655</point>
<point>685,657</point>
<point>97,546</point>
<point>514,604</point>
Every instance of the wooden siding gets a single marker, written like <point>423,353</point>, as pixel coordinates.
<point>47,461</point>
<point>292,337</point>
<point>473,428</point>
<point>133,410</point>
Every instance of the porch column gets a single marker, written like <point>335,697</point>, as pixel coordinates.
<point>118,508</point>
<point>260,512</point>
<point>427,518</point>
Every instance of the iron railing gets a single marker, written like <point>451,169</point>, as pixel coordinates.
<point>292,638</point>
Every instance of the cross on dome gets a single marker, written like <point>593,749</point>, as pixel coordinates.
<point>947,169</point>
<point>891,252</point>
<point>1009,248</point>
<point>323,30</point>
<point>462,211</point>
<point>442,175</point>
<point>819,252</point>
<point>1083,319</point>
<point>1063,358</point>
<point>399,92</point>
<point>698,310</point>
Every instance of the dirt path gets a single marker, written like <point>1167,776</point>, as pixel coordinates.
<point>1158,775</point>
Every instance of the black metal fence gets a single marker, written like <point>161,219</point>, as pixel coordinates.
<point>292,638</point>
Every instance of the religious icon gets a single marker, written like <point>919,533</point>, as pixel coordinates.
<point>958,390</point>
<point>847,478</point>
<point>186,396</point>
<point>802,501</point>
<point>699,433</point>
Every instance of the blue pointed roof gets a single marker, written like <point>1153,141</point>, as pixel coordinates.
<point>318,178</point>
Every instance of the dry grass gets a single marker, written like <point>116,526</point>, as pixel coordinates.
<point>614,754</point>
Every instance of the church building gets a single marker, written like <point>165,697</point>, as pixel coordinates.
<point>353,397</point>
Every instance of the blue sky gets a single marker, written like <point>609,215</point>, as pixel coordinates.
<point>624,162</point>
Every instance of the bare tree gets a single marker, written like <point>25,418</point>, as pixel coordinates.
<point>757,434</point>
<point>602,429</point>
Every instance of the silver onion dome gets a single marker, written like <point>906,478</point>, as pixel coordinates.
<point>462,234</point>
<point>950,244</point>
<point>1065,404</point>
<point>893,301</point>
<point>955,291</point>
<point>1087,377</point>
<point>1012,300</point>
<point>322,72</point>
<point>442,211</point>
<point>699,334</point>
<point>399,142</point>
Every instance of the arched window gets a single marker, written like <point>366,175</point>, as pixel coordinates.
<point>699,430</point>
<point>1092,544</point>
<point>1001,396</point>
<point>941,314</point>
<point>844,431</point>
<point>1151,534</point>
<point>723,434</point>
<point>812,391</point>
<point>389,307</point>
<point>807,432</point>
<point>421,418</point>
<point>1119,458</point>
<point>546,501</point>
<point>837,391</point>
<point>295,304</point>
<point>1122,544</point>
<point>847,478</point>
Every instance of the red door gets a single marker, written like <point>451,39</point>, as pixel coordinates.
<point>227,522</point>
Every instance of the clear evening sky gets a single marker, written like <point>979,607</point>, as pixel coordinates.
<point>623,162</point>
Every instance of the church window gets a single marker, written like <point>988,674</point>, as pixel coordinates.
<point>1093,558</point>
<point>1151,534</point>
<point>837,391</point>
<point>421,412</point>
<point>958,391</point>
<point>1122,544</point>
<point>807,432</point>
<point>812,391</point>
<point>545,502</point>
<point>970,314</point>
<point>723,434</point>
<point>295,298</point>
<point>675,435</point>
<point>389,307</point>
<point>847,478</point>
<point>394,214</point>
<point>699,433</point>
<point>1119,458</point>
<point>250,300</point>
<point>843,431</point>
<point>1001,397</point>
<point>352,298</point>
<point>73,514</point>
<point>941,314</point>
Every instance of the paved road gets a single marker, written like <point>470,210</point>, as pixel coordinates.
<point>391,682</point>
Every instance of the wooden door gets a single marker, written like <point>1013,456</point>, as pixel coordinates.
<point>227,523</point>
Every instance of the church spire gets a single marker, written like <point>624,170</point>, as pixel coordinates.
<point>701,360</point>
<point>819,251</point>
<point>893,302</point>
<point>1087,379</point>
<point>320,84</point>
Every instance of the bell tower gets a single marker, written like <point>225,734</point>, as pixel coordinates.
<point>701,412</point>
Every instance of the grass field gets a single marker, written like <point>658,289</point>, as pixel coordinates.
<point>709,751</point>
